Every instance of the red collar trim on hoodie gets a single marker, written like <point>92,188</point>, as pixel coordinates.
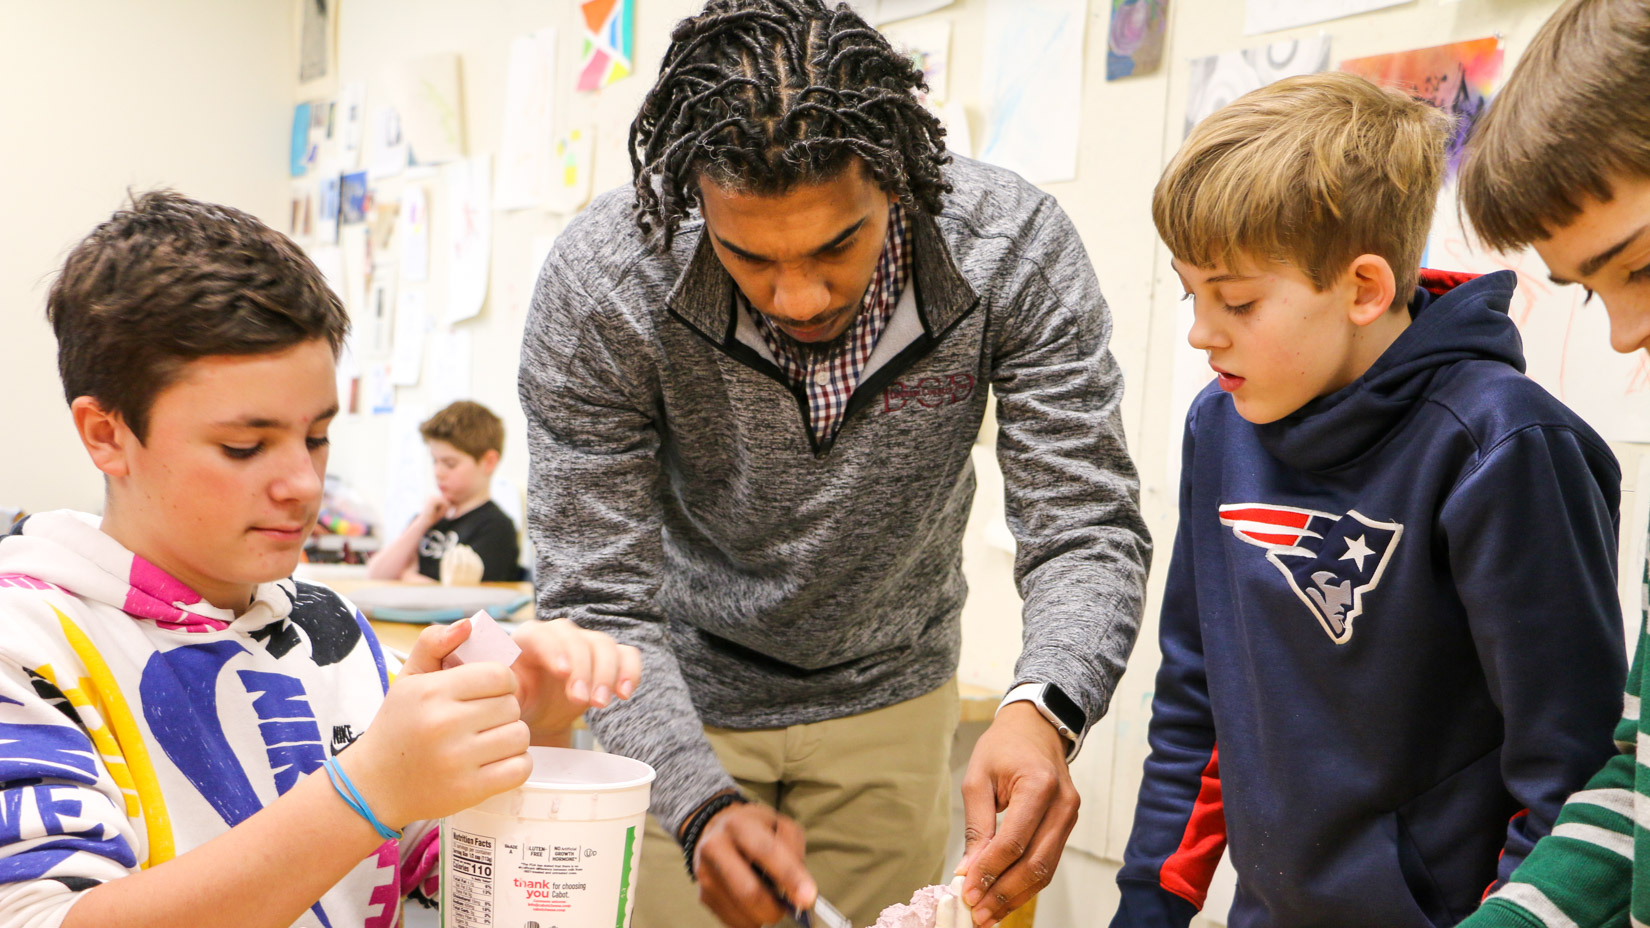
<point>1439,283</point>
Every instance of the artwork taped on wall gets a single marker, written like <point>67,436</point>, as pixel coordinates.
<point>430,106</point>
<point>1032,45</point>
<point>1219,79</point>
<point>928,45</point>
<point>1458,78</point>
<point>609,42</point>
<point>1135,42</point>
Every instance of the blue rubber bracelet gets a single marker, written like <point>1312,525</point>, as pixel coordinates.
<point>346,791</point>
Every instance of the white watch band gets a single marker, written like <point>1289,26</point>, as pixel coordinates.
<point>1033,693</point>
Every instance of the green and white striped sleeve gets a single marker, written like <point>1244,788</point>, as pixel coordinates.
<point>1581,875</point>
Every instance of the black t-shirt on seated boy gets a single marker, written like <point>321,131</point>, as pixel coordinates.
<point>487,530</point>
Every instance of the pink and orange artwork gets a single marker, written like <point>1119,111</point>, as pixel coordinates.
<point>609,40</point>
<point>1459,79</point>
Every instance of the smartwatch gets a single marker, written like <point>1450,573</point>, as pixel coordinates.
<point>1065,715</point>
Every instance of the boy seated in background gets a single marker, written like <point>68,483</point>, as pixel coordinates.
<point>1390,635</point>
<point>169,697</point>
<point>1561,162</point>
<point>465,441</point>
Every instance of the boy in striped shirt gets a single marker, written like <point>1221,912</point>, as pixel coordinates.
<point>1562,163</point>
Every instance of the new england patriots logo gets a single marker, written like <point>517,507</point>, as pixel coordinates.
<point>1330,561</point>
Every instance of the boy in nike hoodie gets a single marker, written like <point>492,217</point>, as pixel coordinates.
<point>169,697</point>
<point>1391,640</point>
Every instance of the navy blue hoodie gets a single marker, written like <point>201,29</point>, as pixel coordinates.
<point>1391,639</point>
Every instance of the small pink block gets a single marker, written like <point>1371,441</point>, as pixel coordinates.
<point>488,641</point>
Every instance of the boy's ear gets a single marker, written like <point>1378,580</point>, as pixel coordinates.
<point>488,460</point>
<point>105,435</point>
<point>1374,288</point>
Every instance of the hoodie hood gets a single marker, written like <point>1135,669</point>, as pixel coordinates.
<point>1455,317</point>
<point>69,549</point>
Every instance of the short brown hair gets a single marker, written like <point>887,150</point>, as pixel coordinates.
<point>1574,114</point>
<point>168,280</point>
<point>468,426</point>
<point>1312,171</point>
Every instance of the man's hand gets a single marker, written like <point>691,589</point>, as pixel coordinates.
<point>738,842</point>
<point>564,670</point>
<point>1019,769</point>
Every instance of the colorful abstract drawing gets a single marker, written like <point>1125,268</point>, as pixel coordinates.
<point>1135,43</point>
<point>609,39</point>
<point>573,160</point>
<point>1459,79</point>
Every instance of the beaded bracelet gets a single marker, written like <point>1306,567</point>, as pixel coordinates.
<point>352,798</point>
<point>694,829</point>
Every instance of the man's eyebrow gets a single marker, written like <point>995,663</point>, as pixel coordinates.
<point>841,237</point>
<point>1590,266</point>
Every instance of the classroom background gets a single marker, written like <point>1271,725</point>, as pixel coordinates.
<point>426,153</point>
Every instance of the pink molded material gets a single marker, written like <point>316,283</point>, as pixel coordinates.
<point>919,913</point>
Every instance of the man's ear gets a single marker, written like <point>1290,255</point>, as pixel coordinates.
<point>105,435</point>
<point>1374,287</point>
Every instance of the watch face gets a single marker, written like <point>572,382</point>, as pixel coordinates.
<point>1067,711</point>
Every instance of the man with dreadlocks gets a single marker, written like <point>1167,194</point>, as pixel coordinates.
<point>752,384</point>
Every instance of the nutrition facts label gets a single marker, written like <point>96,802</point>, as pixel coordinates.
<point>468,901</point>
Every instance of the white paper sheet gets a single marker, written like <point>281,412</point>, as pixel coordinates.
<point>469,235</point>
<point>1031,86</point>
<point>1217,80</point>
<point>425,92</point>
<point>357,257</point>
<point>407,357</point>
<point>959,136</point>
<point>887,11</point>
<point>374,326</point>
<point>352,115</point>
<point>573,163</point>
<point>386,145</point>
<point>408,480</point>
<point>380,388</point>
<point>525,164</point>
<point>452,361</point>
<point>413,234</point>
<point>1274,15</point>
<point>929,46</point>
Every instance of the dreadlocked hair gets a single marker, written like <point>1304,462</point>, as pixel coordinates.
<point>760,95</point>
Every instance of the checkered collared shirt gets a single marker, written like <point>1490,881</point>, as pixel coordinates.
<point>830,379</point>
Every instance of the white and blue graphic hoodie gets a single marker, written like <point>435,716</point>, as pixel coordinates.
<point>138,721</point>
<point>1391,639</point>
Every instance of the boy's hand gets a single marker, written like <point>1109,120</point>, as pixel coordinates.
<point>564,670</point>
<point>442,741</point>
<point>435,509</point>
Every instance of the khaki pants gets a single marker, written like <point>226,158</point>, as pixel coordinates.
<point>872,793</point>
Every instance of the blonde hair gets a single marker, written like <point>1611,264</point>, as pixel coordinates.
<point>1311,171</point>
<point>1574,115</point>
<point>468,426</point>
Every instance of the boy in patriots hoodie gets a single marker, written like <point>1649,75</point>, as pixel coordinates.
<point>1391,639</point>
<point>188,736</point>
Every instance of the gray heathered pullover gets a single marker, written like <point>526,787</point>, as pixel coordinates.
<point>678,503</point>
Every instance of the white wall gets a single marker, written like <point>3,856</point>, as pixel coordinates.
<point>96,97</point>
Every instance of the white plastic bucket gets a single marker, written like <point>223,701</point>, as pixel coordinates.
<point>562,851</point>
